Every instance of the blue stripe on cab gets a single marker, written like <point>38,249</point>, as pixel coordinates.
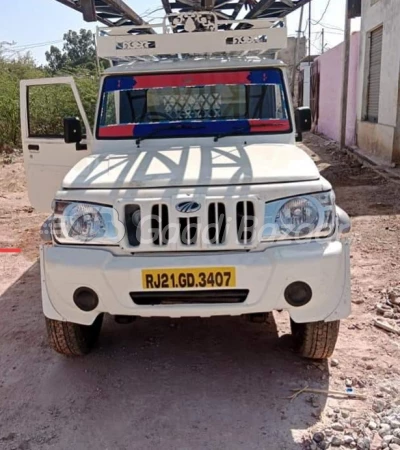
<point>269,76</point>
<point>190,128</point>
<point>112,84</point>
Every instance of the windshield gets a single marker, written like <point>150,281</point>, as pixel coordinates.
<point>166,105</point>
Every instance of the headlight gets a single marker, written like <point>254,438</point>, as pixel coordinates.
<point>85,223</point>
<point>306,216</point>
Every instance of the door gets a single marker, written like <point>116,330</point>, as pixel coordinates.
<point>374,75</point>
<point>314,98</point>
<point>44,104</point>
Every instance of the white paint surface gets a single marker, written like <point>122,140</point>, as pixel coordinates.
<point>192,165</point>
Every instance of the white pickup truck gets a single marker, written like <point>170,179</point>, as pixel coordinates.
<point>190,196</point>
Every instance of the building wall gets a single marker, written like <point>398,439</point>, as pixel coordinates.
<point>287,55</point>
<point>330,91</point>
<point>306,69</point>
<point>383,138</point>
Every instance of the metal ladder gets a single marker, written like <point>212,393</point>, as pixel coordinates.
<point>115,13</point>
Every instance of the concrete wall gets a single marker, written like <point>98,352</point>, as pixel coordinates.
<point>331,81</point>
<point>306,69</point>
<point>287,54</point>
<point>381,139</point>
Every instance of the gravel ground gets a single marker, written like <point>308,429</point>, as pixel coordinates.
<point>218,383</point>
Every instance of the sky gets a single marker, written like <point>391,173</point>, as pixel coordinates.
<point>34,25</point>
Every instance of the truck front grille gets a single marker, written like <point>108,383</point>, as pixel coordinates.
<point>219,224</point>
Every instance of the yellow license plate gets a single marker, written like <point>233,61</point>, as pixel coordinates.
<point>200,278</point>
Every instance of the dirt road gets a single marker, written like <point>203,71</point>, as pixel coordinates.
<point>194,383</point>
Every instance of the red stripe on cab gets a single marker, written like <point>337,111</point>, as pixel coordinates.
<point>259,125</point>
<point>191,79</point>
<point>117,131</point>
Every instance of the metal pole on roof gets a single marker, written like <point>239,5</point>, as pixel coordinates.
<point>296,52</point>
<point>109,12</point>
<point>346,69</point>
<point>309,33</point>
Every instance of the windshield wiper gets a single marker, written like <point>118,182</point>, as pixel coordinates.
<point>231,133</point>
<point>180,126</point>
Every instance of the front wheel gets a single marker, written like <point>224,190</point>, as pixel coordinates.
<point>315,340</point>
<point>73,339</point>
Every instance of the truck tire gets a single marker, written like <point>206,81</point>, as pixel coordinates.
<point>315,340</point>
<point>73,339</point>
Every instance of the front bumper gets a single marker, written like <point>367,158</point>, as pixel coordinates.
<point>266,274</point>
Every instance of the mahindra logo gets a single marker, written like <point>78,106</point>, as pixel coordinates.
<point>188,207</point>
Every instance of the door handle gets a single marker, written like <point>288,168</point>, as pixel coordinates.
<point>33,147</point>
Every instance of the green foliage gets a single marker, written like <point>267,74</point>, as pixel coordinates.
<point>48,105</point>
<point>78,52</point>
<point>88,88</point>
<point>56,60</point>
<point>11,72</point>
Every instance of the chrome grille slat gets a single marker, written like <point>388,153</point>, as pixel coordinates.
<point>133,230</point>
<point>216,223</point>
<point>159,224</point>
<point>245,222</point>
<point>188,230</point>
<point>193,230</point>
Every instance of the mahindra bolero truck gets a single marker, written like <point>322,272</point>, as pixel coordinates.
<point>188,196</point>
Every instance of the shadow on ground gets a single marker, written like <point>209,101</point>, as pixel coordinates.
<point>215,383</point>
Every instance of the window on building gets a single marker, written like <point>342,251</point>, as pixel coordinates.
<point>374,74</point>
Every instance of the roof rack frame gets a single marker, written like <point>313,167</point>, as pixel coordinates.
<point>192,33</point>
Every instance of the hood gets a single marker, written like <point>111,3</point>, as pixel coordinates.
<point>193,166</point>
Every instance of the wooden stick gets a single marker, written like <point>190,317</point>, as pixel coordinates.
<point>322,391</point>
<point>296,394</point>
<point>385,326</point>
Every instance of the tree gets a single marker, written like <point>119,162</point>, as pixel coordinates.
<point>78,52</point>
<point>80,49</point>
<point>56,60</point>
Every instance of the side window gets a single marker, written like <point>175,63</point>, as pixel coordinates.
<point>262,101</point>
<point>233,101</point>
<point>266,101</point>
<point>108,113</point>
<point>133,105</point>
<point>48,105</point>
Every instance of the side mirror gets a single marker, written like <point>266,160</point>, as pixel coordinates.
<point>72,130</point>
<point>303,119</point>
